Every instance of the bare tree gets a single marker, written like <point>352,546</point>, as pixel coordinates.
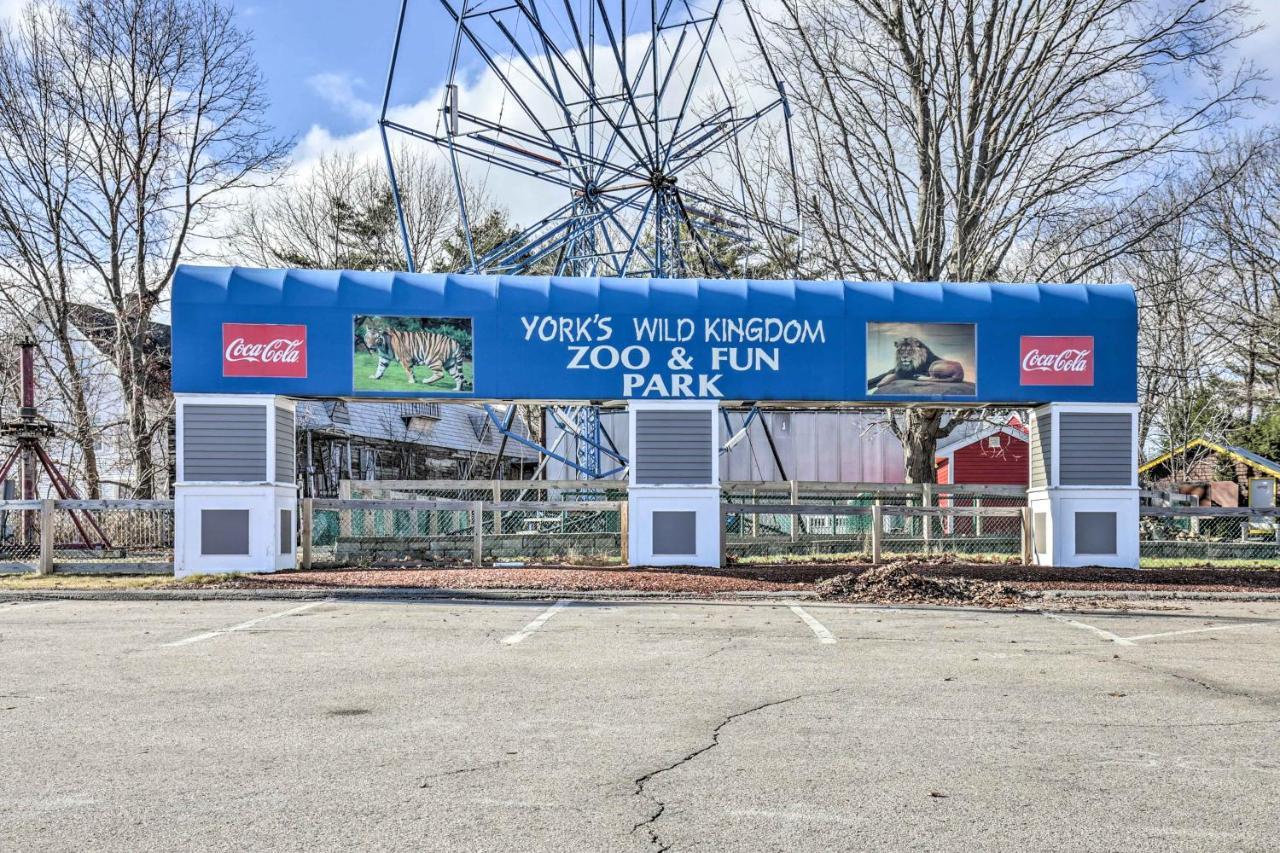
<point>1243,219</point>
<point>981,140</point>
<point>126,125</point>
<point>341,215</point>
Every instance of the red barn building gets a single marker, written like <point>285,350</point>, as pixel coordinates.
<point>989,455</point>
<point>982,455</point>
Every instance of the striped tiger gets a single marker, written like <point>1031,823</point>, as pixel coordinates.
<point>432,349</point>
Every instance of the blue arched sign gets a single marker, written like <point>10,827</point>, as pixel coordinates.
<point>322,333</point>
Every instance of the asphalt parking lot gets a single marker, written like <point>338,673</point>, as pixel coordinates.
<point>287,725</point>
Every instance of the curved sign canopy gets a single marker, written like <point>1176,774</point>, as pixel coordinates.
<point>325,333</point>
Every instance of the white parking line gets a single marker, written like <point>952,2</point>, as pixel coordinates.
<point>1199,630</point>
<point>520,635</point>
<point>824,636</point>
<point>209,635</point>
<point>1106,635</point>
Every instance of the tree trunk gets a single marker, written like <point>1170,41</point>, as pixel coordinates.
<point>82,421</point>
<point>133,378</point>
<point>919,431</point>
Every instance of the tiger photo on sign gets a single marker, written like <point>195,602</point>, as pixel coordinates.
<point>439,346</point>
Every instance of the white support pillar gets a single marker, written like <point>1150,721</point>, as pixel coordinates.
<point>1083,492</point>
<point>236,497</point>
<point>674,492</point>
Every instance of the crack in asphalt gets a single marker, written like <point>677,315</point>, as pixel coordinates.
<point>648,824</point>
<point>459,771</point>
<point>1198,682</point>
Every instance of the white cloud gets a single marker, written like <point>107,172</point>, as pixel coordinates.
<point>484,94</point>
<point>10,8</point>
<point>340,92</point>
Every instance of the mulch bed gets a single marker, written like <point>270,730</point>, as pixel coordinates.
<point>1010,578</point>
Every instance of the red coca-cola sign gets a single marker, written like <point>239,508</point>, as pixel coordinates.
<point>1057,360</point>
<point>264,349</point>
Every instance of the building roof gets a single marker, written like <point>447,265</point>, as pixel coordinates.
<point>971,431</point>
<point>99,328</point>
<point>1240,454</point>
<point>458,426</point>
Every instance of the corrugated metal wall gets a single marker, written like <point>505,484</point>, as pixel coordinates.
<point>825,445</point>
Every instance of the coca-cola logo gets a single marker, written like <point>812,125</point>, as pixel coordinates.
<point>264,349</point>
<point>1057,360</point>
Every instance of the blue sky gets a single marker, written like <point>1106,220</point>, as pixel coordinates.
<point>325,61</point>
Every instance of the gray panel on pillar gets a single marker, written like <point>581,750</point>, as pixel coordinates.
<point>673,447</point>
<point>675,533</point>
<point>1095,449</point>
<point>285,438</point>
<point>1041,442</point>
<point>224,532</point>
<point>1095,533</point>
<point>286,531</point>
<point>224,443</point>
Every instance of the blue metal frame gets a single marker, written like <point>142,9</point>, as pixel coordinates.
<point>625,216</point>
<point>597,474</point>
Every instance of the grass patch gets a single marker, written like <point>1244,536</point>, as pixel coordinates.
<point>865,557</point>
<point>56,581</point>
<point>1202,563</point>
<point>366,363</point>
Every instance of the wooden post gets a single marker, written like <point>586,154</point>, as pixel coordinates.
<point>477,533</point>
<point>1028,537</point>
<point>724,534</point>
<point>45,567</point>
<point>795,519</point>
<point>497,498</point>
<point>305,523</point>
<point>977,518</point>
<point>877,530</point>
<point>624,532</point>
<point>926,521</point>
<point>344,515</point>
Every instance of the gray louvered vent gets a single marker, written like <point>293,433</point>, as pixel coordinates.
<point>285,444</point>
<point>1041,442</point>
<point>224,443</point>
<point>673,447</point>
<point>1095,449</point>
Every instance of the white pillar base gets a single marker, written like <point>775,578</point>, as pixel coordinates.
<point>269,542</point>
<point>686,531</point>
<point>1073,526</point>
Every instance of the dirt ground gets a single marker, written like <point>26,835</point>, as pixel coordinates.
<point>763,578</point>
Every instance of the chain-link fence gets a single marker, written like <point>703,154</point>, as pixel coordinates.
<point>19,536</point>
<point>1171,536</point>
<point>485,490</point>
<point>760,532</point>
<point>424,531</point>
<point>86,536</point>
<point>113,536</point>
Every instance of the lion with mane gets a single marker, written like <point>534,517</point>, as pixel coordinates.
<point>913,360</point>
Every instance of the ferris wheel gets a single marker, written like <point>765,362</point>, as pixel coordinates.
<point>631,129</point>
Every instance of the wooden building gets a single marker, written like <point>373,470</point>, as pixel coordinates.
<point>1217,474</point>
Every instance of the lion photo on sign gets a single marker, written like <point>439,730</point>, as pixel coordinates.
<point>921,359</point>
